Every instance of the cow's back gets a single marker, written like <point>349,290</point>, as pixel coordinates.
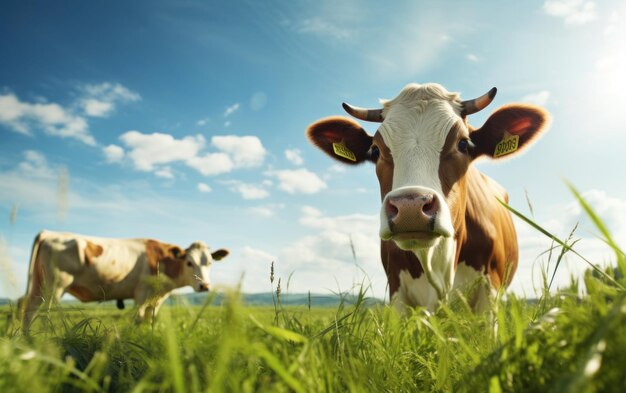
<point>98,268</point>
<point>490,245</point>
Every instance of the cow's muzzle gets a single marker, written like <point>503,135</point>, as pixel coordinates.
<point>414,214</point>
<point>203,287</point>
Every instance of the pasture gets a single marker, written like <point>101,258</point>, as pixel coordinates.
<point>565,341</point>
<point>352,347</point>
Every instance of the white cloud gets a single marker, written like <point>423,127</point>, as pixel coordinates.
<point>203,187</point>
<point>573,12</point>
<point>246,190</point>
<point>246,266</point>
<point>231,109</point>
<point>564,217</point>
<point>34,184</point>
<point>202,122</point>
<point>35,165</point>
<point>54,119</point>
<point>324,28</point>
<point>267,210</point>
<point>227,124</point>
<point>330,251</point>
<point>245,151</point>
<point>100,100</point>
<point>473,58</point>
<point>211,164</point>
<point>146,150</point>
<point>97,108</point>
<point>113,153</point>
<point>165,172</point>
<point>261,211</point>
<point>298,181</point>
<point>21,116</point>
<point>294,156</point>
<point>111,92</point>
<point>337,168</point>
<point>539,98</point>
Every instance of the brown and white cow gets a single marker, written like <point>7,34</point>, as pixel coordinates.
<point>100,269</point>
<point>441,225</point>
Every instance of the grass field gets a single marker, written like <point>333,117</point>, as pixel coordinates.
<point>523,347</point>
<point>563,342</point>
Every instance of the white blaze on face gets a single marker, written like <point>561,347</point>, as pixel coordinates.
<point>204,274</point>
<point>416,126</point>
<point>200,257</point>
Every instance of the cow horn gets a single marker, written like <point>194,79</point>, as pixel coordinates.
<point>375,115</point>
<point>477,104</point>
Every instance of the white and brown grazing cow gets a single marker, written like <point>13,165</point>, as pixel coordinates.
<point>100,269</point>
<point>441,225</point>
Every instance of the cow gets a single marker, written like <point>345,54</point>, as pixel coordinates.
<point>101,269</point>
<point>442,227</point>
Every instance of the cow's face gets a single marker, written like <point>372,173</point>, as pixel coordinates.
<point>198,259</point>
<point>422,151</point>
<point>419,147</point>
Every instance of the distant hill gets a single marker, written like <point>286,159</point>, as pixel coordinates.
<point>251,299</point>
<point>268,298</point>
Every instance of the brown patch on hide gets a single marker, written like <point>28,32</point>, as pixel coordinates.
<point>165,258</point>
<point>80,293</point>
<point>92,251</point>
<point>491,243</point>
<point>396,260</point>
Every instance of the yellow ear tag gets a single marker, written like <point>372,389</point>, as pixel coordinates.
<point>507,145</point>
<point>342,151</point>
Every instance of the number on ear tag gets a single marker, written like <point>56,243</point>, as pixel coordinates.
<point>507,145</point>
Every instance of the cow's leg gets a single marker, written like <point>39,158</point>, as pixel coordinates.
<point>27,307</point>
<point>159,302</point>
<point>48,291</point>
<point>34,297</point>
<point>144,300</point>
<point>475,287</point>
<point>150,307</point>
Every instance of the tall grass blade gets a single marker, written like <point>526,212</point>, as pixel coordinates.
<point>560,242</point>
<point>619,254</point>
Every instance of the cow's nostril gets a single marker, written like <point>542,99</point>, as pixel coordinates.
<point>392,210</point>
<point>430,209</point>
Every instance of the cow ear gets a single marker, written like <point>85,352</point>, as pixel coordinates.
<point>509,130</point>
<point>176,251</point>
<point>219,254</point>
<point>341,138</point>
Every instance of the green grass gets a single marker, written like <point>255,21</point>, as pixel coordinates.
<point>523,347</point>
<point>563,342</point>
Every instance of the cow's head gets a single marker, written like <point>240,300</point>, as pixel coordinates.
<point>198,259</point>
<point>422,151</point>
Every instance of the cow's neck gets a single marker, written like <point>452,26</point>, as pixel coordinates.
<point>424,277</point>
<point>437,267</point>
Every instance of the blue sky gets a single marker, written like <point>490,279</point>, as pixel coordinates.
<point>185,121</point>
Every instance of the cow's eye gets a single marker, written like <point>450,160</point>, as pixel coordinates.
<point>463,146</point>
<point>189,264</point>
<point>374,153</point>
